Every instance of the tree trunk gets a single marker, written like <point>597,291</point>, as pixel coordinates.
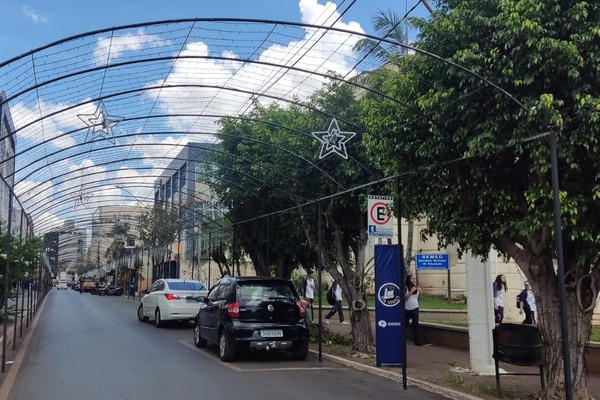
<point>409,247</point>
<point>350,278</point>
<point>362,333</point>
<point>549,319</point>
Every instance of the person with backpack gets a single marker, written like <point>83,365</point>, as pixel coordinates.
<point>527,304</point>
<point>308,292</point>
<point>336,298</point>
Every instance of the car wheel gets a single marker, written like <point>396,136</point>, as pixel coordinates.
<point>226,350</point>
<point>157,321</point>
<point>300,351</point>
<point>198,340</point>
<point>141,315</point>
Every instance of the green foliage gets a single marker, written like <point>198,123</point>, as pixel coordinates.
<point>159,227</point>
<point>500,187</point>
<point>268,163</point>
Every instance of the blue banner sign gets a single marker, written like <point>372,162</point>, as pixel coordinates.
<point>389,306</point>
<point>432,261</point>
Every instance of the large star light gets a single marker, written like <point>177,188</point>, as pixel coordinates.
<point>100,124</point>
<point>333,140</point>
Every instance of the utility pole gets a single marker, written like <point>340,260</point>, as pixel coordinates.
<point>98,259</point>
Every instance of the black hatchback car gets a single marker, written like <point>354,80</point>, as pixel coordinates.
<point>252,313</point>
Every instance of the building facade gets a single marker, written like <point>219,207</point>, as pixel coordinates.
<point>183,185</point>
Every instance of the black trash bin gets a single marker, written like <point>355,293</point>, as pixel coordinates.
<point>517,344</point>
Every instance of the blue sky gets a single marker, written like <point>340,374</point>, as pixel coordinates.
<point>51,162</point>
<point>29,24</point>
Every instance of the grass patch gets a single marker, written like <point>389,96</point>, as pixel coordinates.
<point>440,303</point>
<point>595,334</point>
<point>329,338</point>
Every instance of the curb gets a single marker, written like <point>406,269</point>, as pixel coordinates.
<point>443,391</point>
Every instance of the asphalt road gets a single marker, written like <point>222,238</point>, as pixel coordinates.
<point>90,347</point>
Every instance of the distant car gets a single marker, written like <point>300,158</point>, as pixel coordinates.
<point>252,313</point>
<point>171,299</point>
<point>113,290</point>
<point>62,284</point>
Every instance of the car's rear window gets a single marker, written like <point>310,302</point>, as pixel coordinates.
<point>186,286</point>
<point>260,291</point>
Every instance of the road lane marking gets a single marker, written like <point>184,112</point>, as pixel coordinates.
<point>238,369</point>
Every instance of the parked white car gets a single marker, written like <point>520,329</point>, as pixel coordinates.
<point>171,299</point>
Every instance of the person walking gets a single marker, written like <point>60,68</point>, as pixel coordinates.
<point>499,288</point>
<point>337,304</point>
<point>527,304</point>
<point>308,292</point>
<point>411,307</point>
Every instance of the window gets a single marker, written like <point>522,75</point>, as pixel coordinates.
<point>182,175</point>
<point>175,182</point>
<point>168,188</point>
<point>186,285</point>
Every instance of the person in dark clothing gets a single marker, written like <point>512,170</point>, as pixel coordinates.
<point>527,304</point>
<point>337,305</point>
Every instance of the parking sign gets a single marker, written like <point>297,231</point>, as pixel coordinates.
<point>380,216</point>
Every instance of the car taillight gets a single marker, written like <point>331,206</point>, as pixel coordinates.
<point>171,296</point>
<point>233,310</point>
<point>302,309</point>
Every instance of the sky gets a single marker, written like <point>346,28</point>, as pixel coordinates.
<point>29,24</point>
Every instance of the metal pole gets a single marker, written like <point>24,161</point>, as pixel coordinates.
<point>16,318</point>
<point>561,266</point>
<point>209,257</point>
<point>319,283</point>
<point>401,270</point>
<point>22,309</point>
<point>28,303</point>
<point>6,278</point>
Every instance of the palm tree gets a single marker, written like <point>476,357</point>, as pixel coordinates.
<point>387,25</point>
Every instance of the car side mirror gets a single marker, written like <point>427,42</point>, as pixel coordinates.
<point>202,299</point>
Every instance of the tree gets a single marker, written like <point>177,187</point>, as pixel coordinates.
<point>484,154</point>
<point>276,167</point>
<point>157,230</point>
<point>270,241</point>
<point>386,24</point>
<point>24,260</point>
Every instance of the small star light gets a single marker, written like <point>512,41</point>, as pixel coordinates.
<point>82,198</point>
<point>333,140</point>
<point>100,123</point>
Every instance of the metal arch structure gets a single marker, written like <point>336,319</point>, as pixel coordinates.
<point>186,73</point>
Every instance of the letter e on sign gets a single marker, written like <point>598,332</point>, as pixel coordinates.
<point>380,213</point>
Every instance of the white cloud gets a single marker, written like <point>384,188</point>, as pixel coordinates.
<point>30,191</point>
<point>33,15</point>
<point>54,126</point>
<point>113,47</point>
<point>227,85</point>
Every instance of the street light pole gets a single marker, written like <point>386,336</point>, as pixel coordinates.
<point>561,265</point>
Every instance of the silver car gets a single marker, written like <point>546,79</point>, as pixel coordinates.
<point>171,299</point>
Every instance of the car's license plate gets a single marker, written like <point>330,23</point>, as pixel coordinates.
<point>191,300</point>
<point>271,333</point>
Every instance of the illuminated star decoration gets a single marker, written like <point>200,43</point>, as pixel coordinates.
<point>333,140</point>
<point>82,198</point>
<point>100,123</point>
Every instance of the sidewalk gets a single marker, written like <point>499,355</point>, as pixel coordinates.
<point>445,371</point>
